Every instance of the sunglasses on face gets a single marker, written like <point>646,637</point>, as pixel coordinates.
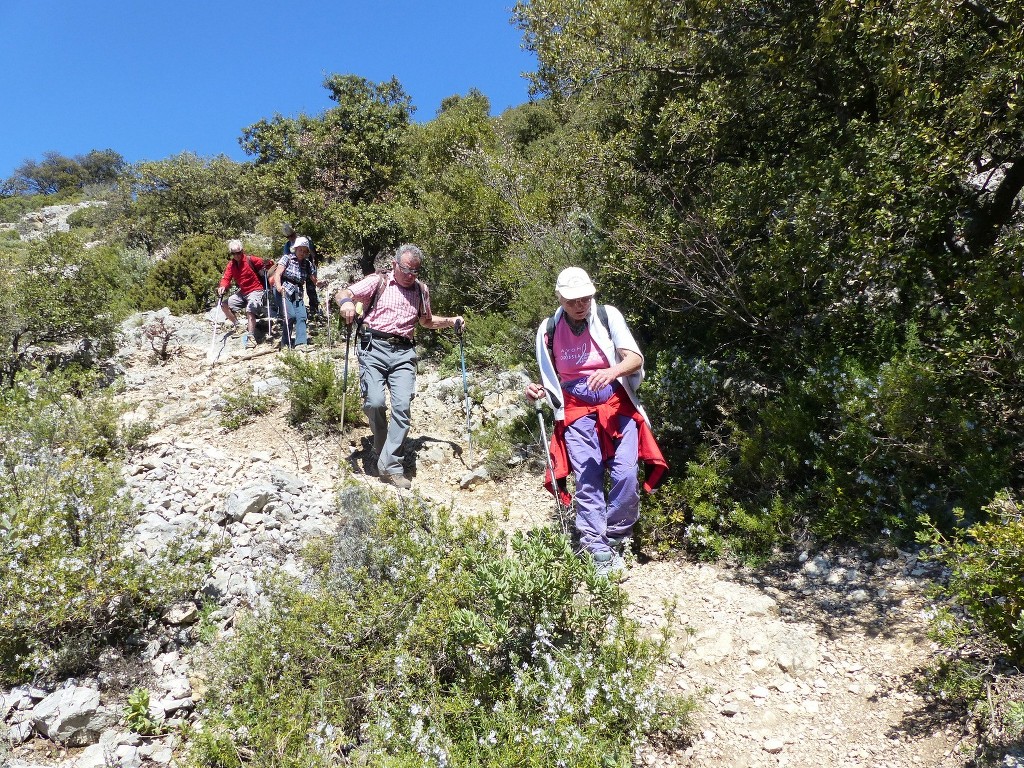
<point>407,270</point>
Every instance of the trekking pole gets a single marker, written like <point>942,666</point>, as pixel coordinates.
<point>344,380</point>
<point>328,316</point>
<point>284,313</point>
<point>561,509</point>
<point>211,353</point>
<point>459,328</point>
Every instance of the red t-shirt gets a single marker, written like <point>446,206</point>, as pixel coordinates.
<point>245,273</point>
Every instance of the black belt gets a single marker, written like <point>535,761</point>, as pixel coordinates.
<point>391,338</point>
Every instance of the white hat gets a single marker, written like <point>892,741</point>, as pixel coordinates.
<point>574,283</point>
<point>300,241</point>
<point>235,246</point>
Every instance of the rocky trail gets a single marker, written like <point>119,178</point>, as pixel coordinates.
<point>812,664</point>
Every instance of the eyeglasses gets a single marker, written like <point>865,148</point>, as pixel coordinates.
<point>581,300</point>
<point>407,270</point>
<point>233,253</point>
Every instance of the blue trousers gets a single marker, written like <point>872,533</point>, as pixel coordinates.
<point>296,324</point>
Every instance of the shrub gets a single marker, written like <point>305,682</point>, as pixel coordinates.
<point>505,443</point>
<point>243,406</point>
<point>58,300</point>
<point>71,582</point>
<point>426,642</point>
<point>186,281</point>
<point>492,343</point>
<point>315,393</point>
<point>986,562</point>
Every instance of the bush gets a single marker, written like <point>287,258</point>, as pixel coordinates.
<point>186,281</point>
<point>492,343</point>
<point>986,562</point>
<point>506,443</point>
<point>315,393</point>
<point>71,583</point>
<point>426,642</point>
<point>242,406</point>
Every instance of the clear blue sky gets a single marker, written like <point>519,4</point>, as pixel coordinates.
<point>151,78</point>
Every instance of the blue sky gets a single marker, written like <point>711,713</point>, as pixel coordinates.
<point>150,78</point>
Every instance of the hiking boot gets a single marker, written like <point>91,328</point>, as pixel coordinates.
<point>399,481</point>
<point>607,564</point>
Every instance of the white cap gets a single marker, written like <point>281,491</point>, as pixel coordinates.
<point>300,241</point>
<point>235,246</point>
<point>574,283</point>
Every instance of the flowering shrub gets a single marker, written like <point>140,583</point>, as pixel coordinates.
<point>428,642</point>
<point>69,584</point>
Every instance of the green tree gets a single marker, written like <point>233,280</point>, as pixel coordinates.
<point>58,294</point>
<point>58,173</point>
<point>164,201</point>
<point>341,172</point>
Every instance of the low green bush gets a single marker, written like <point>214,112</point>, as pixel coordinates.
<point>428,642</point>
<point>986,561</point>
<point>72,584</point>
<point>186,281</point>
<point>315,392</point>
<point>503,443</point>
<point>492,343</point>
<point>243,406</point>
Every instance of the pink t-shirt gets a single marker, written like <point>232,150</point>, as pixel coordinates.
<point>576,357</point>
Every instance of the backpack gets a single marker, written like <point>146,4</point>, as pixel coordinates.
<point>380,287</point>
<point>602,316</point>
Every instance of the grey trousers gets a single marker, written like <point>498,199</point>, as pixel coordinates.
<point>382,364</point>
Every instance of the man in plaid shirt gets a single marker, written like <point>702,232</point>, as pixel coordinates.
<point>395,301</point>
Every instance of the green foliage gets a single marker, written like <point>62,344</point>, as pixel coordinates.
<point>986,563</point>
<point>242,406</point>
<point>315,393</point>
<point>341,173</point>
<point>14,207</point>
<point>186,281</point>
<point>162,202</point>
<point>57,295</point>
<point>493,343</point>
<point>137,716</point>
<point>505,442</point>
<point>72,584</point>
<point>428,642</point>
<point>59,173</point>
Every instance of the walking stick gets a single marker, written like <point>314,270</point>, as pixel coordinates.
<point>344,378</point>
<point>284,313</point>
<point>328,317</point>
<point>212,354</point>
<point>459,328</point>
<point>563,512</point>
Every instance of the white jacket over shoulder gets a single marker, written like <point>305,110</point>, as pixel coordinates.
<point>610,340</point>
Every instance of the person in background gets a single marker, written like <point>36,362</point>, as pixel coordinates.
<point>393,301</point>
<point>289,280</point>
<point>245,271</point>
<point>591,367</point>
<point>311,292</point>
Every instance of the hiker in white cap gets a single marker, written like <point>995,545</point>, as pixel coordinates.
<point>591,367</point>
